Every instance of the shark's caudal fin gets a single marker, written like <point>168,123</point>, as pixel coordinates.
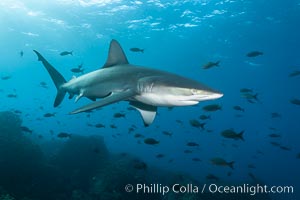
<point>116,55</point>
<point>57,78</point>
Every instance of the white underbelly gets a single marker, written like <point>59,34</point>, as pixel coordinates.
<point>164,100</point>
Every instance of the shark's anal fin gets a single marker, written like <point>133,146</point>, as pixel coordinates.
<point>112,98</point>
<point>148,112</point>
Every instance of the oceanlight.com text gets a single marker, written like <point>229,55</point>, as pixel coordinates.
<point>208,188</point>
<point>250,189</point>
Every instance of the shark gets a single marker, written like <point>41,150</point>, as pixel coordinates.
<point>117,80</point>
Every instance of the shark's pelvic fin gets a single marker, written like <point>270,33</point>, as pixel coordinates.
<point>112,98</point>
<point>57,79</point>
<point>79,96</point>
<point>116,55</point>
<point>148,112</point>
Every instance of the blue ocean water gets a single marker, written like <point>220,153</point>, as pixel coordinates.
<point>179,37</point>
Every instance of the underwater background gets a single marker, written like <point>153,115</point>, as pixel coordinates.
<point>45,153</point>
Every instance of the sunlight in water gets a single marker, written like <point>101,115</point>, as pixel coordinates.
<point>86,3</point>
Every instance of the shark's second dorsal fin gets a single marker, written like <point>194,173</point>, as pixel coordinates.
<point>116,55</point>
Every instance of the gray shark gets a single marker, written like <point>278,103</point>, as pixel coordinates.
<point>144,88</point>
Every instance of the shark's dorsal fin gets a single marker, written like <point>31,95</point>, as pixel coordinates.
<point>116,55</point>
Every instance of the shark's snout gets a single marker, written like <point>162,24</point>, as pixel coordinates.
<point>217,95</point>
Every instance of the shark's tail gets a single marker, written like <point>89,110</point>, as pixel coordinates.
<point>57,78</point>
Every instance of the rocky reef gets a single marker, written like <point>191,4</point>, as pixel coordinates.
<point>81,169</point>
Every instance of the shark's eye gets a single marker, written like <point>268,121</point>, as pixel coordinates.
<point>194,91</point>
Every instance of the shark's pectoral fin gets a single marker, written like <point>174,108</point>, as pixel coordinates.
<point>148,112</point>
<point>112,98</point>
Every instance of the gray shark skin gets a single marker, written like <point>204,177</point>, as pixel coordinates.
<point>144,88</point>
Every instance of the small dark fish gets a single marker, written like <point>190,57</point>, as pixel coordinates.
<point>211,64</point>
<point>192,144</point>
<point>251,98</point>
<point>179,121</point>
<point>119,115</point>
<point>212,107</point>
<point>49,114</point>
<point>298,156</point>
<point>167,133</point>
<point>89,124</point>
<point>212,177</point>
<point>77,70</point>
<point>26,129</point>
<point>196,160</point>
<point>238,115</point>
<point>130,130</point>
<point>151,141</point>
<point>274,135</point>
<point>43,84</point>
<point>221,162</point>
<point>197,124</point>
<point>252,177</point>
<point>239,108</point>
<point>230,133</point>
<point>113,126</point>
<point>135,49</point>
<point>80,66</point>
<point>275,144</point>
<point>204,117</point>
<point>294,73</point>
<point>188,151</point>
<point>295,101</point>
<point>140,165</point>
<point>12,96</point>
<point>275,115</point>
<point>254,53</point>
<point>246,90</point>
<point>21,54</point>
<point>64,135</point>
<point>100,125</point>
<point>251,166</point>
<point>138,135</point>
<point>64,53</point>
<point>160,155</point>
<point>96,150</point>
<point>123,154</point>
<point>285,148</point>
<point>5,77</point>
<point>18,111</point>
